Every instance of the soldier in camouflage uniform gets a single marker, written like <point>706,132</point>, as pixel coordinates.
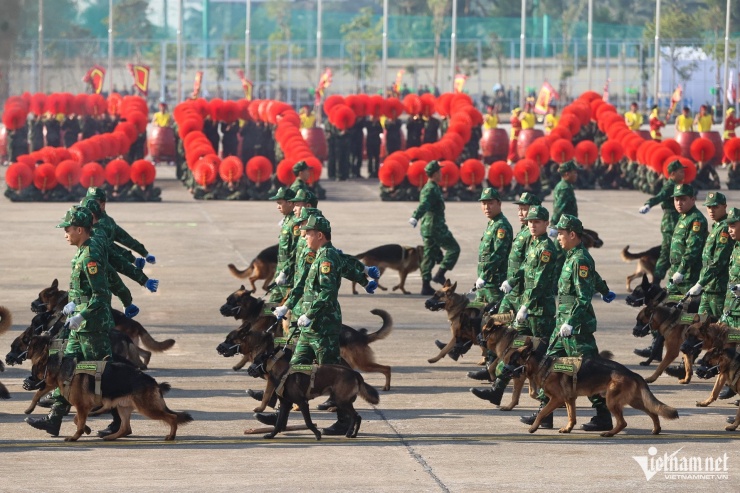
<point>494,249</point>
<point>670,216</point>
<point>563,202</point>
<point>89,301</point>
<point>731,314</point>
<point>302,172</point>
<point>714,275</point>
<point>434,231</point>
<point>289,233</point>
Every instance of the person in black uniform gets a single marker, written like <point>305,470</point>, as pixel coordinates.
<point>53,131</point>
<point>36,133</point>
<point>332,136</point>
<point>71,130</point>
<point>356,138</point>
<point>210,129</point>
<point>229,138</point>
<point>392,135</point>
<point>431,129</point>
<point>374,131</point>
<point>89,127</point>
<point>414,127</point>
<point>251,140</point>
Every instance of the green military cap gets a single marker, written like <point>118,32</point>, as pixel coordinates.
<point>537,212</point>
<point>682,190</point>
<point>77,216</point>
<point>675,166</point>
<point>283,193</point>
<point>733,215</point>
<point>307,212</point>
<point>302,196</point>
<point>715,198</point>
<point>567,166</point>
<point>93,205</point>
<point>299,166</point>
<point>528,198</point>
<point>319,223</point>
<point>96,193</point>
<point>570,223</point>
<point>489,194</point>
<point>432,167</point>
<point>312,200</point>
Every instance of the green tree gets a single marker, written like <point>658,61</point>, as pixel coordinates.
<point>362,41</point>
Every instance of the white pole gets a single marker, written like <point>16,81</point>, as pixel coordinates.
<point>453,44</point>
<point>656,69</point>
<point>590,39</point>
<point>522,52</point>
<point>247,38</point>
<point>41,46</point>
<point>179,52</point>
<point>384,64</point>
<point>110,46</point>
<point>727,68</point>
<point>318,40</point>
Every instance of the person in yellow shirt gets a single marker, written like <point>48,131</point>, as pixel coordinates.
<point>633,118</point>
<point>307,119</point>
<point>490,119</point>
<point>704,120</point>
<point>162,117</point>
<point>684,123</point>
<point>551,119</point>
<point>527,118</point>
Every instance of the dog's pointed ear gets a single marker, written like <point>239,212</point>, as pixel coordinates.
<point>446,284</point>
<point>55,284</point>
<point>242,288</point>
<point>528,343</point>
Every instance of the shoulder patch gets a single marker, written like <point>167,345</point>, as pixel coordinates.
<point>583,271</point>
<point>545,256</point>
<point>325,267</point>
<point>296,230</point>
<point>501,233</point>
<point>92,267</point>
<point>310,257</point>
<point>696,226</point>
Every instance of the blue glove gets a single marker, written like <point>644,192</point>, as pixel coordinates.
<point>151,259</point>
<point>140,262</point>
<point>371,286</point>
<point>609,297</point>
<point>152,285</point>
<point>131,311</point>
<point>373,272</point>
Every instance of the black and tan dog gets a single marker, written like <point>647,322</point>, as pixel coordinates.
<point>403,259</point>
<point>596,375</point>
<point>344,385</point>
<point>123,387</point>
<point>262,267</point>
<point>354,347</point>
<point>645,263</point>
<point>706,335</point>
<point>724,362</point>
<point>6,320</point>
<point>465,321</point>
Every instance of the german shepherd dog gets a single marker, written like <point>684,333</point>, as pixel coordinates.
<point>242,305</point>
<point>645,263</point>
<point>403,259</point>
<point>262,267</point>
<point>725,363</point>
<point>465,322</point>
<point>597,375</point>
<point>354,348</point>
<point>6,320</point>
<point>707,335</point>
<point>344,385</point>
<point>123,387</point>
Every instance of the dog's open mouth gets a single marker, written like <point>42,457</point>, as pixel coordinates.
<point>227,350</point>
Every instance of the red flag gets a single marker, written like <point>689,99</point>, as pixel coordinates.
<point>324,83</point>
<point>544,98</point>
<point>196,84</point>
<point>95,77</point>
<point>246,84</point>
<point>140,73</point>
<point>459,84</point>
<point>397,84</point>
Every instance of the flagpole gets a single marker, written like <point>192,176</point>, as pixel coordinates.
<point>318,53</point>
<point>179,52</point>
<point>453,44</point>
<point>110,47</point>
<point>656,69</point>
<point>247,39</point>
<point>522,51</point>
<point>590,43</point>
<point>727,67</point>
<point>384,64</point>
<point>41,46</point>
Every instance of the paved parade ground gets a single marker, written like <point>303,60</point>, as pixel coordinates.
<point>429,433</point>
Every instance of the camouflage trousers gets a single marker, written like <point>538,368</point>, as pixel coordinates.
<point>313,346</point>
<point>489,295</point>
<point>433,246</point>
<point>712,303</point>
<point>667,225</point>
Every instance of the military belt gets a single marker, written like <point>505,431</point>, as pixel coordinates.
<point>566,299</point>
<point>81,300</point>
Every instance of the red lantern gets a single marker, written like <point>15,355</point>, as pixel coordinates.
<point>416,173</point>
<point>231,169</point>
<point>205,172</point>
<point>285,173</point>
<point>500,174</point>
<point>92,175</point>
<point>18,176</point>
<point>44,177</point>
<point>68,173</point>
<point>391,173</point>
<point>259,169</point>
<point>702,150</point>
<point>561,151</point>
<point>586,153</point>
<point>143,173</point>
<point>450,174</point>
<point>611,152</point>
<point>472,172</point>
<point>732,149</point>
<point>526,171</point>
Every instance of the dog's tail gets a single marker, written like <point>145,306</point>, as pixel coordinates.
<point>4,394</point>
<point>241,274</point>
<point>629,257</point>
<point>606,355</point>
<point>164,387</point>
<point>6,319</point>
<point>368,392</point>
<point>182,417</point>
<point>148,341</point>
<point>385,329</point>
<point>653,405</point>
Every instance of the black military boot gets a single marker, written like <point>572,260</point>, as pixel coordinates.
<point>51,423</point>
<point>731,419</point>
<point>327,404</point>
<point>726,393</point>
<point>113,427</point>
<point>47,401</point>
<point>269,419</point>
<point>426,288</point>
<point>341,427</point>
<point>480,375</point>
<point>645,352</point>
<point>601,422</point>
<point>546,422</point>
<point>257,395</point>
<point>492,395</point>
<point>439,277</point>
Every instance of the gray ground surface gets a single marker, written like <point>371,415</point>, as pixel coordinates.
<point>428,433</point>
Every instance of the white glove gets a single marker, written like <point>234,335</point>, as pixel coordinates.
<point>413,222</point>
<point>521,315</point>
<point>695,289</point>
<point>75,322</point>
<point>553,232</point>
<point>479,283</point>
<point>677,277</point>
<point>566,330</point>
<point>505,287</point>
<point>281,279</point>
<point>69,308</point>
<point>644,209</point>
<point>280,311</point>
<point>735,287</point>
<point>304,321</point>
